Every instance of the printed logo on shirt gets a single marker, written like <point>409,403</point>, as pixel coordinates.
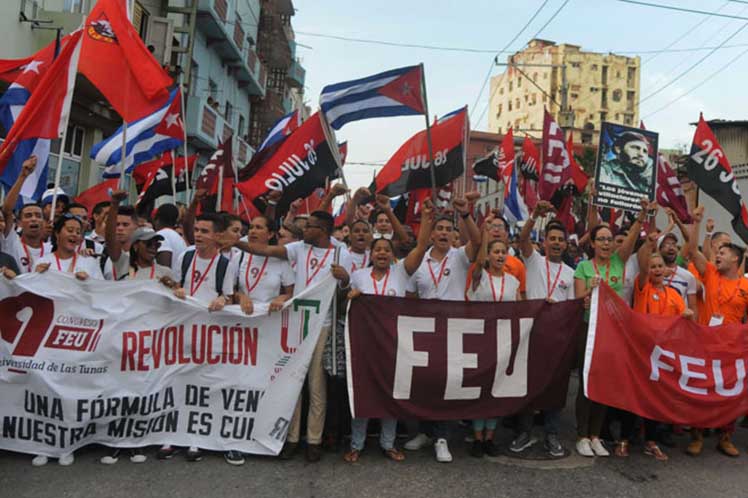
<point>614,279</point>
<point>24,261</point>
<point>446,272</point>
<point>313,263</point>
<point>254,271</point>
<point>563,285</point>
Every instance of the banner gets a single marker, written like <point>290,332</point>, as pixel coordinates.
<point>126,364</point>
<point>665,369</point>
<point>444,360</point>
<point>626,167</point>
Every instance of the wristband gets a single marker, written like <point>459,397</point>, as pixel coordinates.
<point>272,203</point>
<point>464,216</point>
<point>709,234</point>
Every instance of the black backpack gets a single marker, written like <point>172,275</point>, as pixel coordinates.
<point>223,264</point>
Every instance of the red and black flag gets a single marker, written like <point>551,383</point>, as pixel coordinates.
<point>498,165</point>
<point>208,179</point>
<point>303,163</point>
<point>530,162</point>
<point>409,168</point>
<point>709,168</point>
<point>155,181</point>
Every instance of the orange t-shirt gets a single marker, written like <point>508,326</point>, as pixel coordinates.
<point>516,268</point>
<point>703,314</point>
<point>725,297</point>
<point>666,302</point>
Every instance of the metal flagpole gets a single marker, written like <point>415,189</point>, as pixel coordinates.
<point>220,188</point>
<point>123,159</point>
<point>184,127</point>
<point>236,181</point>
<point>174,177</point>
<point>58,173</point>
<point>333,332</point>
<point>432,171</point>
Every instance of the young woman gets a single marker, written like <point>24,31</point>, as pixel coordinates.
<point>143,265</point>
<point>607,265</point>
<point>386,278</point>
<point>489,282</point>
<point>360,237</point>
<point>67,233</point>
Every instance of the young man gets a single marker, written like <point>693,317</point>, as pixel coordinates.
<point>80,212</point>
<point>120,225</point>
<point>312,259</point>
<point>99,214</point>
<point>173,245</point>
<point>60,204</point>
<point>725,301</point>
<point>679,278</point>
<point>547,278</point>
<point>442,275</point>
<point>28,247</point>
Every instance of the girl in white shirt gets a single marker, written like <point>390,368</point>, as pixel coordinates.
<point>67,234</point>
<point>490,283</point>
<point>386,278</point>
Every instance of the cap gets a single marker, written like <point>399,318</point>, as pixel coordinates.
<point>145,234</point>
<point>669,235</point>
<point>49,194</point>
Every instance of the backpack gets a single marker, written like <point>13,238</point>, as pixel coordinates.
<point>223,264</point>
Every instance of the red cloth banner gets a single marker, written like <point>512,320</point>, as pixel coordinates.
<point>665,369</point>
<point>446,360</point>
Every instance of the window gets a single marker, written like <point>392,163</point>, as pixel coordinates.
<point>628,119</point>
<point>516,104</point>
<point>510,105</point>
<point>519,82</point>
<point>630,97</point>
<point>240,131</point>
<point>140,19</point>
<point>605,75</point>
<point>617,95</point>
<point>534,99</point>
<point>618,116</point>
<point>75,6</point>
<point>229,111</point>
<point>576,65</point>
<point>604,98</point>
<point>594,67</point>
<point>194,76</point>
<point>603,116</point>
<point>631,76</point>
<point>535,76</point>
<point>276,79</point>
<point>501,106</point>
<point>73,142</point>
<point>501,91</point>
<point>587,133</point>
<point>574,96</point>
<point>510,85</point>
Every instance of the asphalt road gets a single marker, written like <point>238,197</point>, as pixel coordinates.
<point>709,475</point>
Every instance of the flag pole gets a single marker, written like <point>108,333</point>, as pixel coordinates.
<point>236,181</point>
<point>219,206</point>
<point>174,176</point>
<point>333,142</point>
<point>184,127</point>
<point>432,171</point>
<point>58,173</point>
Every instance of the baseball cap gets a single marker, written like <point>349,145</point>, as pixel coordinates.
<point>669,235</point>
<point>49,193</point>
<point>145,234</point>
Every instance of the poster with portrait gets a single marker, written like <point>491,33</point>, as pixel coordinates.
<point>626,167</point>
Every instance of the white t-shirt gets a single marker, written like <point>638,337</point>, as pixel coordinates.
<point>264,276</point>
<point>173,243</point>
<point>395,283</point>
<point>74,264</point>
<point>494,289</point>
<point>443,279</point>
<point>26,257</point>
<point>358,260</point>
<point>684,282</point>
<point>154,272</point>
<point>537,278</point>
<point>116,270</point>
<point>97,248</point>
<point>200,285</point>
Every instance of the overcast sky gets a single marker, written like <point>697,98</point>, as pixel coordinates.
<point>454,79</point>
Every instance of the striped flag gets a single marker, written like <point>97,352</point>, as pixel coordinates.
<point>398,92</point>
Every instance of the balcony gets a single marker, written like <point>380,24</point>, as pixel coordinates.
<point>223,35</point>
<point>206,127</point>
<point>242,152</point>
<point>254,77</point>
<point>296,75</point>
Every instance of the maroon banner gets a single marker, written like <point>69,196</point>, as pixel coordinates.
<point>666,369</point>
<point>446,360</point>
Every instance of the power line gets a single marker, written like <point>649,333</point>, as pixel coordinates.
<point>490,68</point>
<point>699,85</point>
<point>692,66</point>
<point>683,9</point>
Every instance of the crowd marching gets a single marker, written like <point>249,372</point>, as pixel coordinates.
<point>218,260</point>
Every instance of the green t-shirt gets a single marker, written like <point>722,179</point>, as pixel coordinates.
<point>614,277</point>
<point>681,261</point>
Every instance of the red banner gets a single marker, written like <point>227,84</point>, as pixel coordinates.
<point>446,360</point>
<point>664,369</point>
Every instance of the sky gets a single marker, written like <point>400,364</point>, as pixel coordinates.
<point>454,79</point>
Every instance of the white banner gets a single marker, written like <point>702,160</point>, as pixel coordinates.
<point>127,364</point>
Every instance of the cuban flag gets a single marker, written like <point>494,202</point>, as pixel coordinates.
<point>398,92</point>
<point>147,138</point>
<point>515,208</point>
<point>23,80</point>
<point>281,130</point>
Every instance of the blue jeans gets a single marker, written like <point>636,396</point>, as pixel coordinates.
<point>551,420</point>
<point>386,436</point>
<point>488,424</point>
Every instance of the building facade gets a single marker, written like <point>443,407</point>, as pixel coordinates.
<point>237,59</point>
<point>593,87</point>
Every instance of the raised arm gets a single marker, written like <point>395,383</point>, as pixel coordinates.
<point>706,246</point>
<point>644,253</point>
<point>462,206</point>
<point>525,244</point>
<point>113,246</point>
<point>271,202</point>
<point>624,252</point>
<point>698,258</point>
<point>480,258</point>
<point>188,223</point>
<point>262,249</point>
<point>398,232</point>
<point>335,191</point>
<point>351,208</point>
<point>11,199</point>
<point>415,256</point>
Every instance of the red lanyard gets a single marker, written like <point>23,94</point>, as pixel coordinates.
<point>193,287</point>
<point>548,277</point>
<point>250,288</point>
<point>363,264</point>
<point>441,272</point>
<point>384,287</point>
<point>319,265</point>
<point>153,271</point>
<point>71,268</point>
<point>607,271</point>
<point>493,289</point>
<point>28,254</point>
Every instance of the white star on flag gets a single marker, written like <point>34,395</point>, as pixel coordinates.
<point>171,120</point>
<point>32,66</point>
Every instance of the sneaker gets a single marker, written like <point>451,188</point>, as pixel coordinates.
<point>66,460</point>
<point>553,446</point>
<point>166,452</point>
<point>137,456</point>
<point>418,442</point>
<point>288,451</point>
<point>234,457</point>
<point>39,461</point>
<point>726,446</point>
<point>112,457</point>
<point>313,453</point>
<point>584,447</point>
<point>442,451</point>
<point>521,442</point>
<point>476,449</point>
<point>695,446</point>
<point>490,449</point>
<point>598,448</point>
<point>194,454</point>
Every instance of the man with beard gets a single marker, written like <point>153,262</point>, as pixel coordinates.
<point>28,247</point>
<point>632,167</point>
<point>678,278</point>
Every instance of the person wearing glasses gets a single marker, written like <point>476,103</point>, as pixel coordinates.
<point>606,265</point>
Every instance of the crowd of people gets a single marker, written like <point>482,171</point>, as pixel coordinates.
<point>218,260</point>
